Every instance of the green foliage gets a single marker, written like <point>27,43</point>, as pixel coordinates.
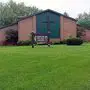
<point>59,42</point>
<point>74,41</point>
<point>56,43</point>
<point>10,12</point>
<point>84,23</point>
<point>63,42</point>
<point>84,20</point>
<point>24,43</point>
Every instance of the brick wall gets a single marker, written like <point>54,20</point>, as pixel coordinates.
<point>25,27</point>
<point>68,28</point>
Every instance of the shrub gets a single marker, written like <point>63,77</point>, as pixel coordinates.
<point>24,43</point>
<point>74,41</point>
<point>60,42</point>
<point>6,43</point>
<point>63,42</point>
<point>56,43</point>
<point>11,36</point>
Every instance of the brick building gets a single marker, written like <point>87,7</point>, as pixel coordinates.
<point>85,33</point>
<point>60,26</point>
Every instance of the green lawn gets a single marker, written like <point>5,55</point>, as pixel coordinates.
<point>42,68</point>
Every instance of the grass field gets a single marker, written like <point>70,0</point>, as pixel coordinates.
<point>42,68</point>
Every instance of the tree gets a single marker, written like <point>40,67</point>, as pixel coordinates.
<point>84,23</point>
<point>11,36</point>
<point>80,32</point>
<point>84,20</point>
<point>66,14</point>
<point>11,11</point>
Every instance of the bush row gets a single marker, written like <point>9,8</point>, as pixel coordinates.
<point>70,41</point>
<point>74,41</point>
<point>24,43</point>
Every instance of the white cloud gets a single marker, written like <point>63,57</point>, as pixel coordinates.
<point>73,7</point>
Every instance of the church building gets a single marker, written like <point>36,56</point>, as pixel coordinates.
<point>59,26</point>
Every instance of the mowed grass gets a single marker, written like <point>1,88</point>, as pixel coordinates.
<point>42,68</point>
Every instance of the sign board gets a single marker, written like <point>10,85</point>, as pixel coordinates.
<point>41,38</point>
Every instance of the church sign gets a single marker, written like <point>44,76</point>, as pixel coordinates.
<point>41,38</point>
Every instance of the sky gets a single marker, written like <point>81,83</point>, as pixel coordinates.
<point>72,7</point>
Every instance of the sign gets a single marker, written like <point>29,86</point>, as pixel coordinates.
<point>41,38</point>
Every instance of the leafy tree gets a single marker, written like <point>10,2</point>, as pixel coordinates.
<point>10,12</point>
<point>84,20</point>
<point>80,32</point>
<point>84,23</point>
<point>11,36</point>
<point>66,14</point>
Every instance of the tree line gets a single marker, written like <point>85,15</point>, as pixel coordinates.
<point>10,12</point>
<point>84,20</point>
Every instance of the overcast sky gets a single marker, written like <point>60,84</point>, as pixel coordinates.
<point>72,7</point>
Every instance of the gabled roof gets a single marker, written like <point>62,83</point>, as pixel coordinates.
<point>49,10</point>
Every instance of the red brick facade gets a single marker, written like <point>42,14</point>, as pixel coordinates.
<point>68,28</point>
<point>25,27</point>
